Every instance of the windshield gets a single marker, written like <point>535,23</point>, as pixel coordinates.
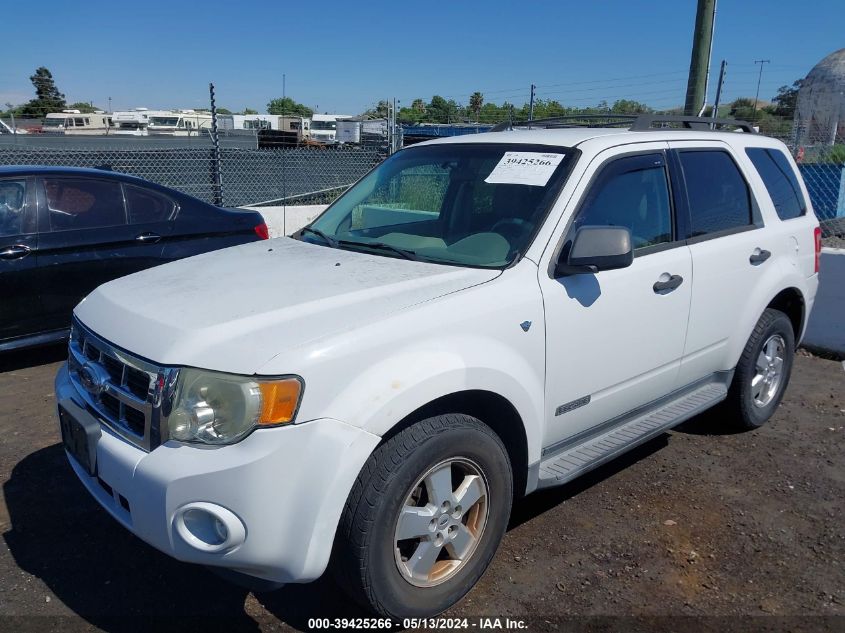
<point>323,125</point>
<point>467,204</point>
<point>164,120</point>
<point>54,122</point>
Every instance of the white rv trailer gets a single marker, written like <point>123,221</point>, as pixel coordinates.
<point>248,122</point>
<point>134,122</point>
<point>74,122</point>
<point>351,131</point>
<point>324,127</point>
<point>179,123</point>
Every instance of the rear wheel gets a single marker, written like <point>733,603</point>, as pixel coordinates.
<point>425,517</point>
<point>763,371</point>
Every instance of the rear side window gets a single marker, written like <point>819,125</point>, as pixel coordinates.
<point>631,192</point>
<point>780,181</point>
<point>147,206</point>
<point>719,198</point>
<point>79,203</point>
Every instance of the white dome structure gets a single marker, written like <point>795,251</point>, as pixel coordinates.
<point>820,111</point>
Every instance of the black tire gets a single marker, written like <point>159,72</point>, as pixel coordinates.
<point>364,560</point>
<point>740,405</point>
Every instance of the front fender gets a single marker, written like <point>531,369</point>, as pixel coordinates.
<point>393,388</point>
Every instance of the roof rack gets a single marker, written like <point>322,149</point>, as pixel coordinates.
<point>633,122</point>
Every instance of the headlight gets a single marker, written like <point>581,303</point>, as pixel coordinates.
<point>216,408</point>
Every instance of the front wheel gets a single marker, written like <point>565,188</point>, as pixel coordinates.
<point>425,517</point>
<point>763,371</point>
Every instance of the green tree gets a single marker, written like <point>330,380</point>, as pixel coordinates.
<point>418,104</point>
<point>47,96</point>
<point>224,111</point>
<point>286,105</point>
<point>85,108</point>
<point>439,110</point>
<point>476,101</point>
<point>249,111</point>
<point>786,99</point>
<point>627,106</point>
<point>378,111</point>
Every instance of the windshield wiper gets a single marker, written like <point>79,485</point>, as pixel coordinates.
<point>328,239</point>
<point>403,252</point>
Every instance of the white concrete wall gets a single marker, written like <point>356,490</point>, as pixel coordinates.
<point>288,219</point>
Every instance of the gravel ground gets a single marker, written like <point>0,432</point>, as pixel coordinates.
<point>700,529</point>
<point>834,242</point>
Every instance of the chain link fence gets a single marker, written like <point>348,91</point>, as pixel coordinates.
<point>318,175</point>
<point>298,175</point>
<point>822,164</point>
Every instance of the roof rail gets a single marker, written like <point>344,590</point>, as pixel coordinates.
<point>575,120</point>
<point>633,122</point>
<point>646,122</point>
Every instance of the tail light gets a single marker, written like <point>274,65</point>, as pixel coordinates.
<point>817,238</point>
<point>262,231</point>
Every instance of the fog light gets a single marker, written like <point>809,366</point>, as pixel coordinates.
<point>209,527</point>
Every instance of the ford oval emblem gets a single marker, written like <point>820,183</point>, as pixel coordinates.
<point>94,378</point>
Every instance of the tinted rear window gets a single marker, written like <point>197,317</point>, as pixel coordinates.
<point>718,194</point>
<point>780,181</point>
<point>147,206</point>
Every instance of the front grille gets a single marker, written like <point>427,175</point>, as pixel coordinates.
<point>125,391</point>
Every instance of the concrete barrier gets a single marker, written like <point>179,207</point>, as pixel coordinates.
<point>826,327</point>
<point>288,219</point>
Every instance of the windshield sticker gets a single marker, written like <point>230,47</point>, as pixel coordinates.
<point>525,168</point>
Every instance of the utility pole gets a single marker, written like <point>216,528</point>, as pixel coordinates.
<point>759,78</point>
<point>702,41</point>
<point>715,113</point>
<point>109,105</point>
<point>531,106</point>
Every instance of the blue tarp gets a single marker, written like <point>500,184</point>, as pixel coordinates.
<point>436,131</point>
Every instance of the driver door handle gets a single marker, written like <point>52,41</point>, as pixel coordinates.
<point>16,251</point>
<point>667,283</point>
<point>148,238</point>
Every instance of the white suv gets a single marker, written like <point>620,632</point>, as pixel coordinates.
<point>477,318</point>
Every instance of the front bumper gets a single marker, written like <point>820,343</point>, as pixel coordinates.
<point>285,486</point>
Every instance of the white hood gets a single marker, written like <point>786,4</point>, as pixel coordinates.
<point>235,309</point>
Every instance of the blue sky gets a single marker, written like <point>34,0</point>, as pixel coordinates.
<point>342,57</point>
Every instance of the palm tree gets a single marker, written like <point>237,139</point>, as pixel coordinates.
<point>476,100</point>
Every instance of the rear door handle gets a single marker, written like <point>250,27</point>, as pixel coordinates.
<point>667,283</point>
<point>759,256</point>
<point>16,251</point>
<point>148,238</point>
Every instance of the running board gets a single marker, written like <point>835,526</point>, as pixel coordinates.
<point>576,460</point>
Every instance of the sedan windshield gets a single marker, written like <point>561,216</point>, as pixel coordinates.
<point>469,204</point>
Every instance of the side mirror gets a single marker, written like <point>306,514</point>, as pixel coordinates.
<point>597,248</point>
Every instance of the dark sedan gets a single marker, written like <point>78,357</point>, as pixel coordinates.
<point>64,231</point>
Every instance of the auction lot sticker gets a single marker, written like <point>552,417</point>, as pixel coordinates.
<point>524,168</point>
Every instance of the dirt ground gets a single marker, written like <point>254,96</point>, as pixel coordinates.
<point>700,529</point>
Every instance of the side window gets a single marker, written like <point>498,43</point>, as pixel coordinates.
<point>719,198</point>
<point>14,219</point>
<point>147,206</point>
<point>780,181</point>
<point>632,192</point>
<point>79,203</point>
